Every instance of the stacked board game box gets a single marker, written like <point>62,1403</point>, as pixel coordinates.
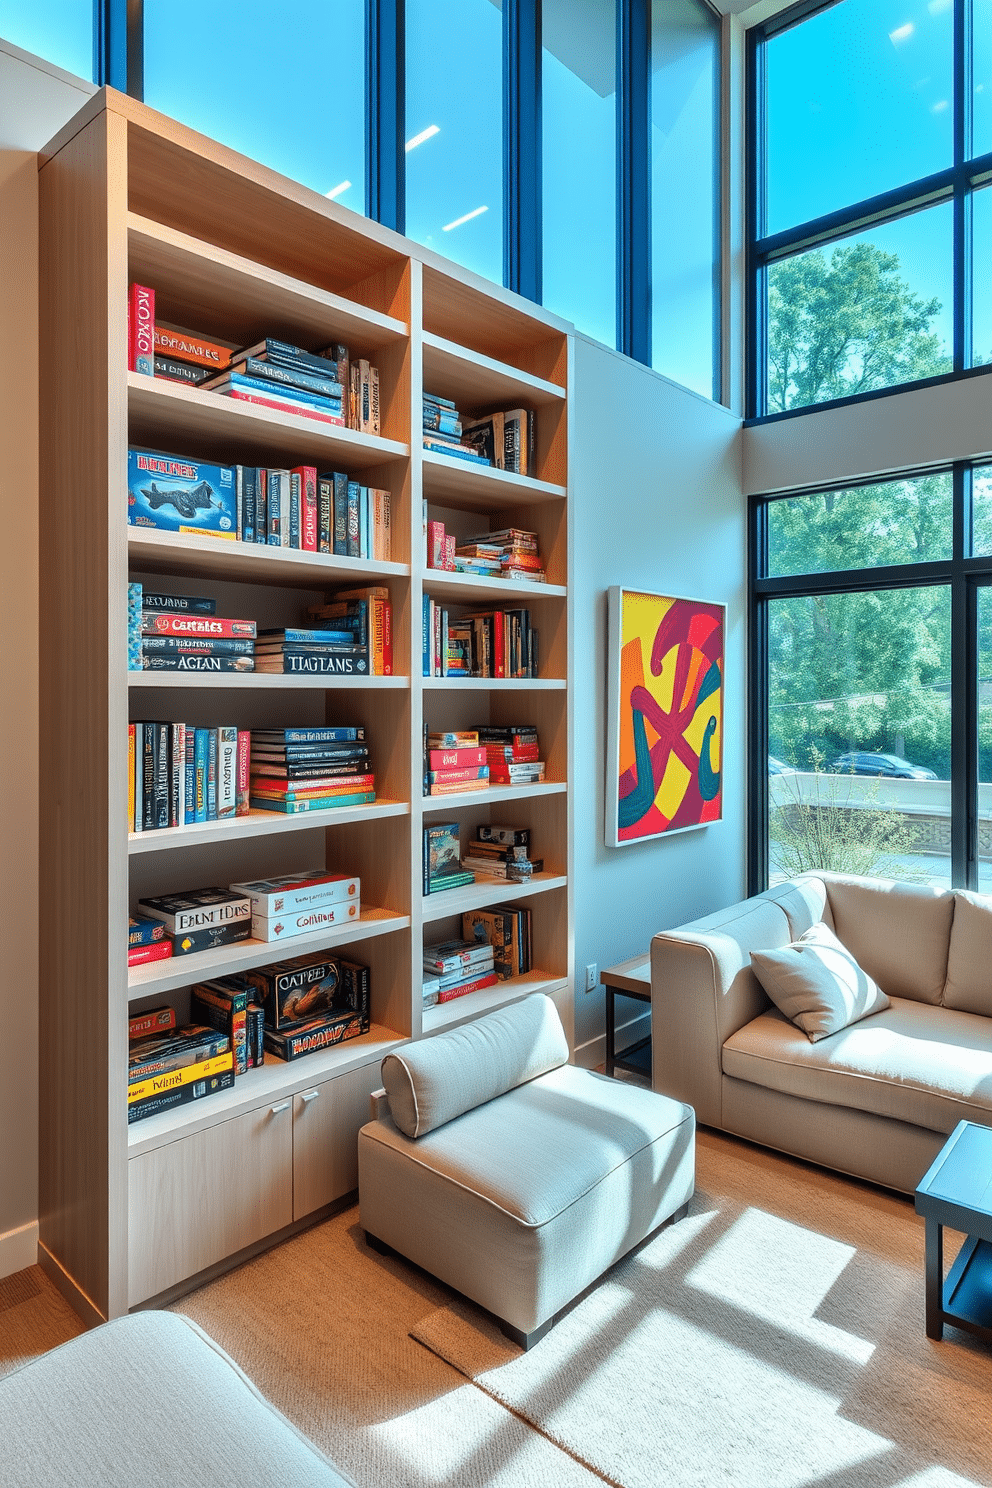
<point>179,774</point>
<point>293,770</point>
<point>501,852</point>
<point>507,929</point>
<point>442,869</point>
<point>510,553</point>
<point>166,351</point>
<point>301,903</point>
<point>311,1002</point>
<point>146,941</point>
<point>443,430</point>
<point>367,614</point>
<point>276,374</point>
<point>169,1066</point>
<point>460,967</point>
<point>455,762</point>
<point>184,633</point>
<point>512,753</point>
<point>200,919</point>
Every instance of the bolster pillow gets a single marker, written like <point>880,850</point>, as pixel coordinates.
<point>437,1079</point>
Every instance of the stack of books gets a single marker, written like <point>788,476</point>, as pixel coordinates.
<point>172,1065</point>
<point>368,614</point>
<point>502,852</point>
<point>510,553</point>
<point>146,941</point>
<point>275,374</point>
<point>512,753</point>
<point>505,440</point>
<point>443,430</point>
<point>169,352</point>
<point>459,967</point>
<point>179,774</point>
<point>301,903</point>
<point>184,633</point>
<point>200,919</point>
<point>311,1002</point>
<point>442,868</point>
<point>455,762</point>
<point>507,928</point>
<point>300,651</point>
<point>310,769</point>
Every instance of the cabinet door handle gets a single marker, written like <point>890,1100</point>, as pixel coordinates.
<point>308,1096</point>
<point>280,1106</point>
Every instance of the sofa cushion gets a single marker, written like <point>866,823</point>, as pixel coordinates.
<point>969,960</point>
<point>929,1066</point>
<point>432,1082</point>
<point>898,932</point>
<point>804,901</point>
<point>817,984</point>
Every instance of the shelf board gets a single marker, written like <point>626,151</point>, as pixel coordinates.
<point>495,793</point>
<point>444,1014</point>
<point>258,824</point>
<point>159,411</point>
<point>210,286</point>
<point>477,381</point>
<point>495,684</point>
<point>275,1080</point>
<point>216,557</point>
<point>486,891</point>
<point>183,971</point>
<point>261,681</point>
<point>462,484</point>
<point>470,587</point>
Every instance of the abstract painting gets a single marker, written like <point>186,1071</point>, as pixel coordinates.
<point>665,726</point>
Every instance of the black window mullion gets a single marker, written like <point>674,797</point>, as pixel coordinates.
<point>634,179</point>
<point>522,179</point>
<point>118,45</point>
<point>385,112</point>
<point>757,726</point>
<point>755,304</point>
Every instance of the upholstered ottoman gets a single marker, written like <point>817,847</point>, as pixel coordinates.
<point>510,1174</point>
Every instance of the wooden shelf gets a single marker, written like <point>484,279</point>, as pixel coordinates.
<point>462,484</point>
<point>493,796</point>
<point>469,588</point>
<point>495,684</point>
<point>477,382</point>
<point>216,558</point>
<point>258,824</point>
<point>461,1009</point>
<point>163,414</point>
<point>487,891</point>
<point>183,971</point>
<point>261,681</point>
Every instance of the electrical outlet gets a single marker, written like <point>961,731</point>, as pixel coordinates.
<point>592,977</point>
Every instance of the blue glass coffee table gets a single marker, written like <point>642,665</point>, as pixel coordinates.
<point>957,1191</point>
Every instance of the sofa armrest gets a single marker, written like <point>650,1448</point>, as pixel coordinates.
<point>702,991</point>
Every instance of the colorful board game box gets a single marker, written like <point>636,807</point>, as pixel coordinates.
<point>175,494</point>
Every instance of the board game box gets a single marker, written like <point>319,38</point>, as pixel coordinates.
<point>174,494</point>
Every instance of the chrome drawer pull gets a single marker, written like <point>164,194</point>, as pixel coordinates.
<point>281,1106</point>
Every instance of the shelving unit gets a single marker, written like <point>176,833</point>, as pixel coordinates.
<point>135,1215</point>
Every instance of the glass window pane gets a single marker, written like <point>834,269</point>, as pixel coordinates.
<point>981,30</point>
<point>863,313</point>
<point>860,99</point>
<point>61,31</point>
<point>285,86</point>
<point>905,521</point>
<point>859,734</point>
<point>579,164</point>
<point>454,130</point>
<point>981,291</point>
<point>981,508</point>
<point>685,192</point>
<point>985,739</point>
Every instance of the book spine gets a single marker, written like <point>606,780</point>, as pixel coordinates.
<point>365,395</point>
<point>148,778</point>
<point>317,803</point>
<point>205,627</point>
<point>156,1020</point>
<point>426,629</point>
<point>138,774</point>
<point>261,504</point>
<point>295,502</point>
<point>340,515</point>
<point>325,514</point>
<point>130,777</point>
<point>198,646</point>
<point>134,609</point>
<point>200,773</point>
<point>448,994</point>
<point>191,348</point>
<point>174,370</point>
<point>139,955</point>
<point>354,501</point>
<point>161,775</point>
<point>285,406</point>
<point>189,776</point>
<point>364,545</point>
<point>211,774</point>
<point>274,490</point>
<point>177,772</point>
<point>141,319</point>
<point>249,475</point>
<point>244,770</point>
<point>227,772</point>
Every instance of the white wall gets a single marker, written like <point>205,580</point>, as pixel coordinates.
<point>657,505</point>
<point>35,101</point>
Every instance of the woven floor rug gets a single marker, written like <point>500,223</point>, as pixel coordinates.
<point>772,1339</point>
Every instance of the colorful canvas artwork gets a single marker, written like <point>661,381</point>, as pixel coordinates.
<point>665,727</point>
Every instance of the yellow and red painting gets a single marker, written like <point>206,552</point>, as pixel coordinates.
<point>666,715</point>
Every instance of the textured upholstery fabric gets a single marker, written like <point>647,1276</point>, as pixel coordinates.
<point>968,988</point>
<point>804,900</point>
<point>522,1202</point>
<point>148,1397</point>
<point>817,983</point>
<point>898,932</point>
<point>930,1067</point>
<point>432,1082</point>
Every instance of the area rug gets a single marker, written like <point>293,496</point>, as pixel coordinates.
<point>773,1339</point>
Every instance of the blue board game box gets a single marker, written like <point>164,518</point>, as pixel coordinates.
<point>179,495</point>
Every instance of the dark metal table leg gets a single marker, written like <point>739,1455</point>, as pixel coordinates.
<point>611,1037</point>
<point>935,1278</point>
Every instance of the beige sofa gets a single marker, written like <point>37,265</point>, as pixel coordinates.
<point>877,1099</point>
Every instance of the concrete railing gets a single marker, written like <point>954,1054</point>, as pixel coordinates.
<point>925,803</point>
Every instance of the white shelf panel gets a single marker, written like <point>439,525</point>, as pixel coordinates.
<point>495,794</point>
<point>462,483</point>
<point>486,891</point>
<point>258,824</point>
<point>467,588</point>
<point>215,557</point>
<point>496,684</point>
<point>459,1009</point>
<point>275,1080</point>
<point>183,971</point>
<point>261,681</point>
<point>474,380</point>
<point>160,411</point>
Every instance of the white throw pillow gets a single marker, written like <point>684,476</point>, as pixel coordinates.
<point>817,983</point>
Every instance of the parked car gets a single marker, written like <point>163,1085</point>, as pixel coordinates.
<point>777,767</point>
<point>892,766</point>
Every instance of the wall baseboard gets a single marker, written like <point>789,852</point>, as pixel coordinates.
<point>19,1249</point>
<point>592,1054</point>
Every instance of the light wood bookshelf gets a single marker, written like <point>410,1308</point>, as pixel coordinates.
<point>131,1216</point>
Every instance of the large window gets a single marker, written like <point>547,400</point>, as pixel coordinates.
<point>61,30</point>
<point>872,737</point>
<point>870,146</point>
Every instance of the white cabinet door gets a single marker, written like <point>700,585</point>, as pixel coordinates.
<point>325,1137</point>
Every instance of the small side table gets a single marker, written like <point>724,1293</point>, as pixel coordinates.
<point>957,1190</point>
<point>627,979</point>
